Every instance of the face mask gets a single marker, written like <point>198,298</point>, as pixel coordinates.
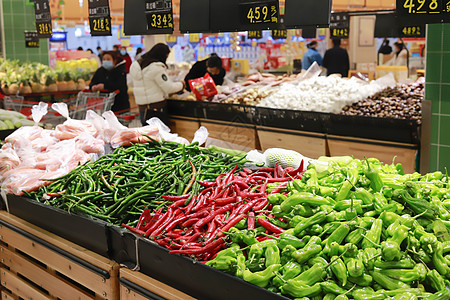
<point>107,64</point>
<point>123,52</point>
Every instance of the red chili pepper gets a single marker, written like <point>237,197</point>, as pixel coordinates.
<point>134,230</point>
<point>145,217</point>
<point>166,222</point>
<point>251,220</point>
<point>158,215</point>
<point>268,170</point>
<point>200,203</point>
<point>177,203</point>
<point>202,250</point>
<point>261,205</point>
<point>240,184</point>
<point>175,198</point>
<point>251,195</point>
<point>159,222</point>
<point>190,222</point>
<point>205,191</point>
<point>279,179</point>
<point>209,218</point>
<point>246,208</point>
<point>269,226</point>
<point>58,194</point>
<point>298,170</point>
<point>191,205</point>
<point>225,201</point>
<point>247,170</point>
<point>194,237</point>
<point>206,183</point>
<point>262,175</point>
<point>229,176</point>
<point>230,224</point>
<point>264,187</point>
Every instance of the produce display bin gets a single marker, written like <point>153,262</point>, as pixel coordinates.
<point>235,113</point>
<point>84,231</point>
<point>293,119</point>
<point>183,108</point>
<point>123,246</point>
<point>385,129</point>
<point>194,278</point>
<point>36,264</point>
<point>5,133</point>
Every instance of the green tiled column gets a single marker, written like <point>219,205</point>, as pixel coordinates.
<point>18,16</point>
<point>437,89</point>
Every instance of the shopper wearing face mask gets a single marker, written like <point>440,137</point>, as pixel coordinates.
<point>111,76</point>
<point>212,65</point>
<point>123,54</point>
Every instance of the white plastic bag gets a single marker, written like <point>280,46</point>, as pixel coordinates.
<point>201,135</point>
<point>164,132</point>
<point>112,127</point>
<point>71,128</point>
<point>30,132</point>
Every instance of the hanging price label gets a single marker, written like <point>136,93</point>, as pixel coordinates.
<point>259,12</point>
<point>99,17</point>
<point>254,34</point>
<point>339,25</point>
<point>425,11</point>
<point>43,18</point>
<point>159,14</point>
<point>341,33</point>
<point>412,31</point>
<point>31,39</point>
<point>279,34</point>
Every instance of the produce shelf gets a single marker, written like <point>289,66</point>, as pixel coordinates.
<point>84,231</point>
<point>194,278</point>
<point>39,265</point>
<point>385,129</point>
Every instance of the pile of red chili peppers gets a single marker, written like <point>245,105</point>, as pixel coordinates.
<point>197,226</point>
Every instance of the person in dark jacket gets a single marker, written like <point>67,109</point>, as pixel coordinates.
<point>212,65</point>
<point>112,76</point>
<point>336,59</point>
<point>123,54</point>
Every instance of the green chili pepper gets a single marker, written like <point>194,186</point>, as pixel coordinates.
<point>387,282</point>
<point>339,269</point>
<point>435,280</point>
<point>332,287</point>
<point>390,248</point>
<point>302,198</point>
<point>312,248</point>
<point>295,289</point>
<point>407,275</point>
<point>315,219</point>
<point>261,278</point>
<point>373,236</point>
<point>364,280</point>
<point>375,181</point>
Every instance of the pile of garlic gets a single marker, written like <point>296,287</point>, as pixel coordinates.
<point>323,94</point>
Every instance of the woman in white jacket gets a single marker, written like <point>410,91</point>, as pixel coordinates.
<point>400,55</point>
<point>151,84</point>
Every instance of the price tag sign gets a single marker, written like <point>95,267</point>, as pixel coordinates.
<point>412,31</point>
<point>31,39</point>
<point>425,11</point>
<point>341,33</point>
<point>43,18</point>
<point>340,25</point>
<point>279,34</point>
<point>259,12</point>
<point>99,17</point>
<point>255,34</point>
<point>194,38</point>
<point>159,14</point>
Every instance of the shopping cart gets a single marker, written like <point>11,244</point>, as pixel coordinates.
<point>17,103</point>
<point>87,100</point>
<point>128,118</point>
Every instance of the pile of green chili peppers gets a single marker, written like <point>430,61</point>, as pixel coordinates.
<point>117,187</point>
<point>355,229</point>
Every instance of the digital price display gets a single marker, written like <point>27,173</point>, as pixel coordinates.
<point>31,39</point>
<point>342,33</point>
<point>340,25</point>
<point>159,14</point>
<point>425,11</point>
<point>43,18</point>
<point>255,34</point>
<point>279,34</point>
<point>412,31</point>
<point>99,17</point>
<point>259,12</point>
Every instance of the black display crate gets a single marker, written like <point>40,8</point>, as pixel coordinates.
<point>293,119</point>
<point>236,113</point>
<point>194,278</point>
<point>87,232</point>
<point>183,108</point>
<point>385,129</point>
<point>123,246</point>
